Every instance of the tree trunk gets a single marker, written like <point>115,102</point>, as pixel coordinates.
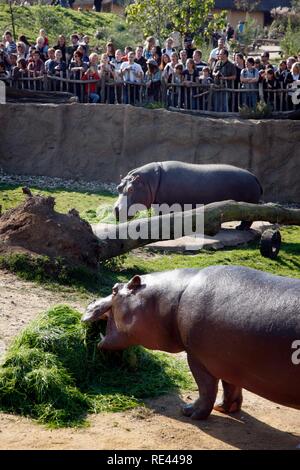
<point>114,242</point>
<point>34,227</point>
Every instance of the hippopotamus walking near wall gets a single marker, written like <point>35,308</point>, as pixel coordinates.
<point>235,323</point>
<point>181,183</point>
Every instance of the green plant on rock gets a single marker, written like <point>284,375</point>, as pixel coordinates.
<point>261,111</point>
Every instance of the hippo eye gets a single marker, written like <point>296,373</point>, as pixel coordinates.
<point>130,189</point>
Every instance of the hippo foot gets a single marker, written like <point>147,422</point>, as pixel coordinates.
<point>232,407</point>
<point>244,225</point>
<point>195,413</point>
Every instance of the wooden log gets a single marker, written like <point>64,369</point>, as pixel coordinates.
<point>113,241</point>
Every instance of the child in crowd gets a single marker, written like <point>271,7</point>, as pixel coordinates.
<point>44,35</point>
<point>91,88</point>
<point>205,77</point>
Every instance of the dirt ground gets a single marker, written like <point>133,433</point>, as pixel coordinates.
<point>260,425</point>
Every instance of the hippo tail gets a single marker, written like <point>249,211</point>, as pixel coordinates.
<point>261,188</point>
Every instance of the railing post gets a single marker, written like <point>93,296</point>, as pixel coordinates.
<point>102,90</point>
<point>261,91</point>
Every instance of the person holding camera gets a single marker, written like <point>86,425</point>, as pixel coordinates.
<point>224,74</point>
<point>132,74</point>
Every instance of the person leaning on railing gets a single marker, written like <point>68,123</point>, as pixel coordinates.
<point>153,80</point>
<point>132,73</point>
<point>205,77</point>
<point>190,77</point>
<point>48,63</point>
<point>58,68</point>
<point>224,74</point>
<point>291,79</point>
<point>249,79</point>
<point>20,71</point>
<point>271,84</point>
<point>36,66</point>
<point>170,68</point>
<point>76,69</point>
<point>108,75</point>
<point>175,95</point>
<point>91,88</point>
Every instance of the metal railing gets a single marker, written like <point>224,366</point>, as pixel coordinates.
<point>224,98</point>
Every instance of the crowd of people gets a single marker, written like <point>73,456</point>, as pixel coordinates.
<point>147,64</point>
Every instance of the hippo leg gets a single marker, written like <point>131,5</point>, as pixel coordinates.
<point>207,385</point>
<point>244,225</point>
<point>232,399</point>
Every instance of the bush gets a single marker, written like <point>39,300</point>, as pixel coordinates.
<point>261,111</point>
<point>290,44</point>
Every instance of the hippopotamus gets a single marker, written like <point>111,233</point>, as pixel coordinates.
<point>173,182</point>
<point>236,324</point>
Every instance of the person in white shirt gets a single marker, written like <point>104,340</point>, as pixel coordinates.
<point>132,74</point>
<point>213,57</point>
<point>169,47</point>
<point>131,71</point>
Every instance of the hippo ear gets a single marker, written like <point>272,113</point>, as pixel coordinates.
<point>134,282</point>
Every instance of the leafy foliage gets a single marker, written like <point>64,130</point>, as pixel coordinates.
<point>159,18</point>
<point>290,44</point>
<point>54,373</point>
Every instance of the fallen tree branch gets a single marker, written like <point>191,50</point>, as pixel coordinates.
<point>113,241</point>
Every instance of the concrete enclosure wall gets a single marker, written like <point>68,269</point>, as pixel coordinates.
<point>81,141</point>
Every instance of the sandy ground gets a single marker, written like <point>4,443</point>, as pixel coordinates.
<point>260,425</point>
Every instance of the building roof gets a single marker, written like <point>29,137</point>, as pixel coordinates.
<point>264,5</point>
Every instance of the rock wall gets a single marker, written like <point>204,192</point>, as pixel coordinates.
<point>81,141</point>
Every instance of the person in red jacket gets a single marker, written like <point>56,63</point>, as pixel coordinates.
<point>91,88</point>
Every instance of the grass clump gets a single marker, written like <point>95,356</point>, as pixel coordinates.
<point>54,373</point>
<point>44,270</point>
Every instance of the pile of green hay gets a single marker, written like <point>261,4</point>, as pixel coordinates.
<point>54,373</point>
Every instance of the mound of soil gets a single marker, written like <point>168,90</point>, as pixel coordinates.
<point>35,228</point>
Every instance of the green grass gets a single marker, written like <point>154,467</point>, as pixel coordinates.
<point>120,270</point>
<point>55,21</point>
<point>54,373</point>
<point>87,203</point>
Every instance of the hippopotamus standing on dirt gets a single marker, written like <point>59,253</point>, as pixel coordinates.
<point>235,323</point>
<point>181,183</point>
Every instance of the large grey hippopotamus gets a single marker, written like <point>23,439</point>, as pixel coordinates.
<point>235,323</point>
<point>185,183</point>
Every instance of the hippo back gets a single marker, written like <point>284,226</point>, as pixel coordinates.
<point>187,183</point>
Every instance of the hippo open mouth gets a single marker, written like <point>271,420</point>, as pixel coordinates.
<point>110,332</point>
